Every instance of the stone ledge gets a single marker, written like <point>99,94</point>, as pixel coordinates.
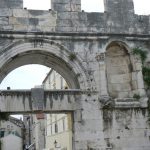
<point>130,103</point>
<point>108,102</point>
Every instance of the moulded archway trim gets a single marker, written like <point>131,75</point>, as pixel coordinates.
<point>44,52</point>
<point>120,43</point>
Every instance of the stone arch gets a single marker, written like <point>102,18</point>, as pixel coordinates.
<point>44,52</point>
<point>118,70</point>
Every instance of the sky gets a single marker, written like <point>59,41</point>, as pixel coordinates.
<point>141,6</point>
<point>27,77</point>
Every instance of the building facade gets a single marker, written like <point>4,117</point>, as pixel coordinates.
<point>58,126</point>
<point>12,131</point>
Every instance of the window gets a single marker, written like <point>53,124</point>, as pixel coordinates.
<point>63,121</point>
<point>8,127</point>
<point>92,5</point>
<point>61,80</point>
<point>56,128</point>
<point>2,134</point>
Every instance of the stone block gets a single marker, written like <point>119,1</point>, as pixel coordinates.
<point>122,78</point>
<point>11,4</point>
<point>88,135</point>
<point>91,114</point>
<point>144,102</point>
<point>5,12</point>
<point>134,85</point>
<point>65,23</point>
<point>34,21</point>
<point>4,20</point>
<point>78,116</point>
<point>65,29</point>
<point>7,27</point>
<point>140,80</point>
<point>45,28</point>
<point>47,22</point>
<point>78,23</point>
<point>20,13</point>
<point>75,7</point>
<point>61,1</point>
<point>66,1</point>
<point>82,29</point>
<point>20,27</point>
<point>42,14</point>
<point>138,66</point>
<point>134,76</point>
<point>123,94</point>
<point>37,95</point>
<point>61,8</point>
<point>117,70</point>
<point>64,15</point>
<point>18,21</point>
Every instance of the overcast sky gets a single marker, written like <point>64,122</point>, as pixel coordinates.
<point>27,77</point>
<point>141,6</point>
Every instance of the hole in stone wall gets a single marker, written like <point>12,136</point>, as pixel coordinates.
<point>142,7</point>
<point>92,5</point>
<point>40,5</point>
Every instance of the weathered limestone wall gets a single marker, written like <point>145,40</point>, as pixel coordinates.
<point>38,99</point>
<point>93,52</point>
<point>11,4</point>
<point>127,128</point>
<point>66,16</point>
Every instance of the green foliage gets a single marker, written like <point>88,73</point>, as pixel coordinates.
<point>145,69</point>
<point>141,53</point>
<point>0,145</point>
<point>72,56</point>
<point>4,116</point>
<point>136,96</point>
<point>146,75</point>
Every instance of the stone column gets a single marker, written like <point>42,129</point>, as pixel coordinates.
<point>139,75</point>
<point>88,127</point>
<point>102,74</point>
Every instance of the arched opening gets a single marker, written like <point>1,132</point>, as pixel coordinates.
<point>43,58</point>
<point>48,129</point>
<point>50,55</point>
<point>119,70</point>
